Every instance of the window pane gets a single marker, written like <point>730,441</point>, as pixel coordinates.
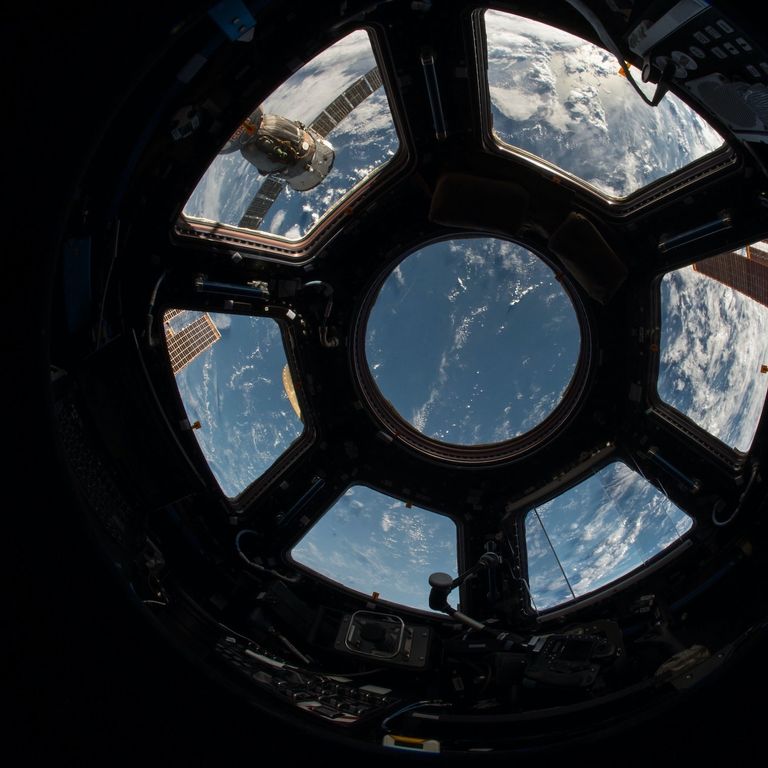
<point>301,171</point>
<point>599,530</point>
<point>470,376</point>
<point>563,99</point>
<point>714,343</point>
<point>370,542</point>
<point>546,582</point>
<point>232,383</point>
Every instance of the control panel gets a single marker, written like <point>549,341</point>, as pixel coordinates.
<point>385,638</point>
<point>340,700</point>
<point>713,59</point>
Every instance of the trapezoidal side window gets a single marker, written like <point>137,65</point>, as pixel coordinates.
<point>236,386</point>
<point>713,351</point>
<point>327,129</point>
<point>561,98</point>
<point>371,542</point>
<point>596,532</point>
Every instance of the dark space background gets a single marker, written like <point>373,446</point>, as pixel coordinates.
<point>87,680</point>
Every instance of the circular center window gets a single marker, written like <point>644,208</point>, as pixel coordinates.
<point>473,341</point>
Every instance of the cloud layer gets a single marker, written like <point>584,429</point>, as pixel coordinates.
<point>562,99</point>
<point>235,390</point>
<point>371,542</point>
<point>713,343</point>
<point>362,142</point>
<point>601,529</point>
<point>473,341</point>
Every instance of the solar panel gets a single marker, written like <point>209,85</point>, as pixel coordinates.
<point>374,79</point>
<point>191,341</point>
<point>746,274</point>
<point>342,105</point>
<point>758,251</point>
<point>268,192</point>
<point>323,124</point>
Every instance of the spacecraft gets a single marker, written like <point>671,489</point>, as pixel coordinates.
<point>284,148</point>
<point>290,153</point>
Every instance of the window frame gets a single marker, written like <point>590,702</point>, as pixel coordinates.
<point>288,558</point>
<point>295,450</point>
<point>481,454</point>
<point>278,248</point>
<point>729,457</point>
<point>658,561</point>
<point>718,162</point>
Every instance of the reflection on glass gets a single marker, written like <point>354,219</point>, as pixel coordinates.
<point>233,393</point>
<point>323,131</point>
<point>370,542</point>
<point>563,99</point>
<point>713,363</point>
<point>596,532</point>
<point>473,341</point>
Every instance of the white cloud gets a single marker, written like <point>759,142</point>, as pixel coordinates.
<point>714,341</point>
<point>561,98</point>
<point>366,137</point>
<point>391,551</point>
<point>303,95</point>
<point>601,529</point>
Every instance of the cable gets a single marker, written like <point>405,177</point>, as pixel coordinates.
<point>290,646</point>
<point>661,485</point>
<point>234,632</point>
<point>305,670</point>
<point>611,47</point>
<point>364,673</point>
<point>257,566</point>
<point>151,308</point>
<point>747,488</point>
<point>549,541</point>
<point>517,576</point>
<point>410,708</point>
<point>100,326</point>
<point>327,291</point>
<point>530,594</point>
